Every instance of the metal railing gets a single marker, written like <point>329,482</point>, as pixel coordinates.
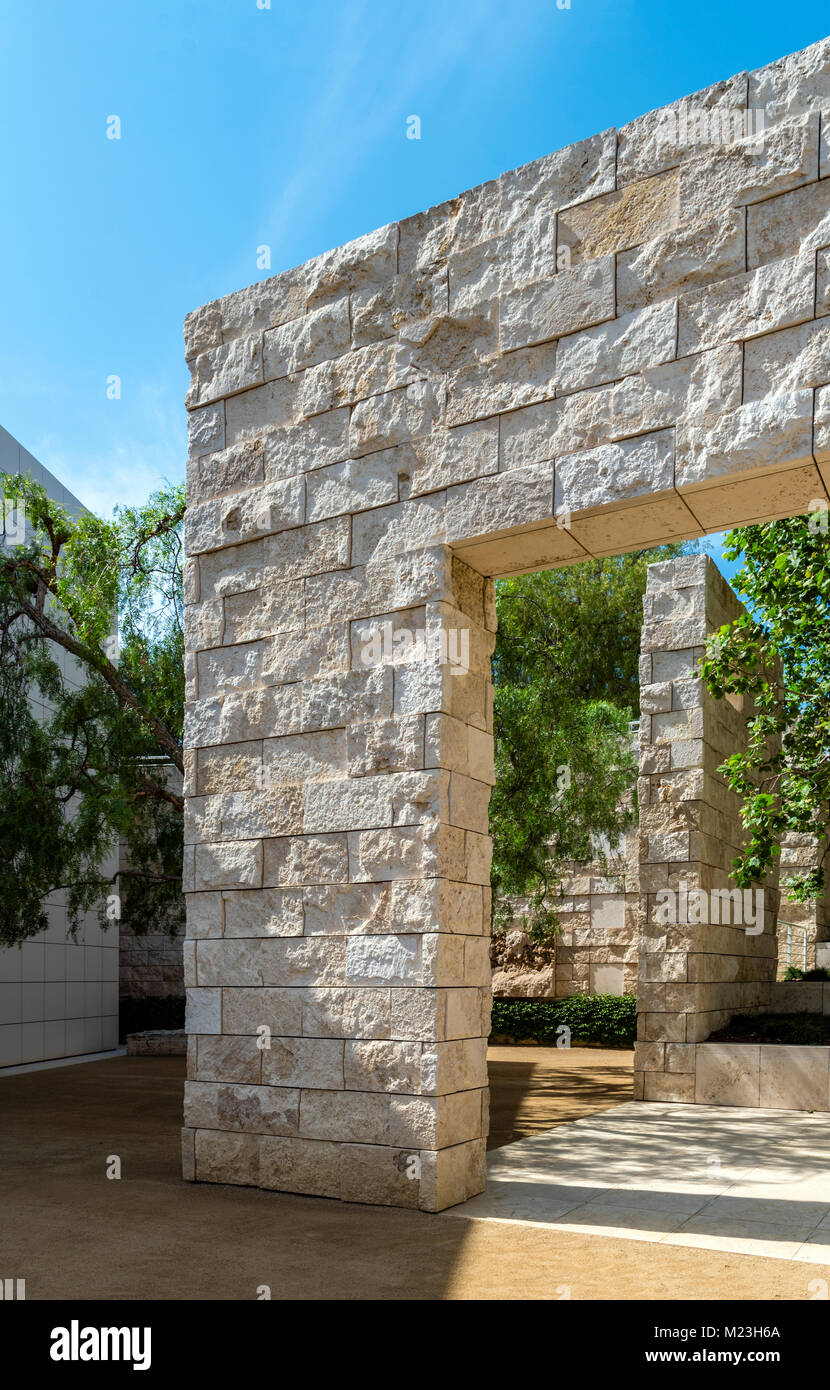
<point>794,927</point>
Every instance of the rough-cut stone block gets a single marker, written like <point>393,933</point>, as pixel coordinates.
<point>345,1013</point>
<point>790,360</point>
<point>312,1167</point>
<point>520,378</point>
<point>453,456</point>
<point>368,260</point>
<point>792,85</point>
<point>432,236</point>
<point>733,174</point>
<point>303,1062</point>
<point>251,1109</point>
<point>569,301</point>
<point>206,429</point>
<point>571,175</point>
<point>263,407</point>
<point>743,306</point>
<point>319,335</point>
<point>237,864</point>
<point>681,260</point>
<point>225,370</point>
<point>383,310</point>
<point>249,1010</point>
<point>665,137</point>
<point>775,431</point>
<point>615,473</point>
<point>496,504</point>
<point>542,432</point>
<point>706,384</point>
<point>263,305</point>
<point>202,330</point>
<point>822,426</point>
<point>792,222</point>
<point>628,344</point>
<point>301,448</point>
<point>631,215</point>
<point>229,470</point>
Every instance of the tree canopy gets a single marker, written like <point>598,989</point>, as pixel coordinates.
<point>778,655</point>
<point>566,675</point>
<point>91,709</point>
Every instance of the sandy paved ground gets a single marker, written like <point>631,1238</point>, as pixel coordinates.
<point>71,1233</point>
<point>532,1088</point>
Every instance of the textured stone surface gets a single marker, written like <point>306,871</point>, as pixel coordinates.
<point>570,360</point>
<point>693,975</point>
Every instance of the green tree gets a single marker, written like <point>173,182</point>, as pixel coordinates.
<point>86,745</point>
<point>566,675</point>
<point>778,655</point>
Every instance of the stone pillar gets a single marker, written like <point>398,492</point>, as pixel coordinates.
<point>338,927</point>
<point>693,976</point>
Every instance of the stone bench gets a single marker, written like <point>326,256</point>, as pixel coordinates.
<point>157,1042</point>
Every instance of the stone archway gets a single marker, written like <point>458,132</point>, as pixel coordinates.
<point>623,343</point>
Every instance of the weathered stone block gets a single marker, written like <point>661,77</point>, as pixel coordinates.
<point>617,349</point>
<point>571,300</point>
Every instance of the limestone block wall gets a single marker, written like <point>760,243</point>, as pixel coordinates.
<point>150,964</point>
<point>621,343</point>
<point>595,949</point>
<point>339,971</point>
<point>694,974</point>
<point>810,921</point>
<point>596,952</point>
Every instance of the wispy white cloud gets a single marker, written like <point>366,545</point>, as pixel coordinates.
<point>150,449</point>
<point>430,51</point>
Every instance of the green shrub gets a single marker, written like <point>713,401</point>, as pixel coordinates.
<point>600,1018</point>
<point>810,1030</point>
<point>136,1015</point>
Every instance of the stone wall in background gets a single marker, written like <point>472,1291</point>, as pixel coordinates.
<point>595,949</point>
<point>694,974</point>
<point>151,964</point>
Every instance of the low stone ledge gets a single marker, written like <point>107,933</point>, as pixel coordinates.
<point>158,1042</point>
<point>763,1076</point>
<point>799,997</point>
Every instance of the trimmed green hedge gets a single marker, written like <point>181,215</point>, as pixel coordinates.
<point>600,1018</point>
<point>136,1015</point>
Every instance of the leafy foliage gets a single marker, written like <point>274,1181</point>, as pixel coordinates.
<point>599,1018</point>
<point>90,721</point>
<point>807,1030</point>
<point>778,656</point>
<point>566,677</point>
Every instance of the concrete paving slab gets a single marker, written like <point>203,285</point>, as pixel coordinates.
<point>678,1175</point>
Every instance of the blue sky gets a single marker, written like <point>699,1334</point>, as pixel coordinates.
<point>285,126</point>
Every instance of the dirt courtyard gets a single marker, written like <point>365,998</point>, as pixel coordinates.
<point>72,1233</point>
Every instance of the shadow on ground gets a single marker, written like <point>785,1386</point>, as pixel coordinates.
<point>534,1088</point>
<point>72,1234</point>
